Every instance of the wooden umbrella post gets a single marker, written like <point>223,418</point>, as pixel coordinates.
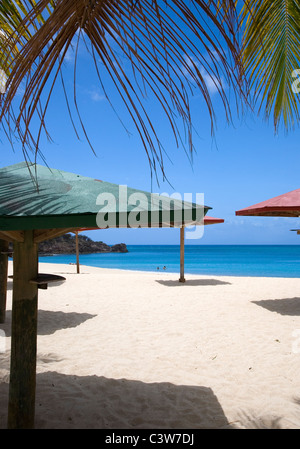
<point>77,252</point>
<point>3,278</point>
<point>21,405</point>
<point>182,279</point>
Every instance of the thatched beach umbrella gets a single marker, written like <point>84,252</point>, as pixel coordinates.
<point>212,220</point>
<point>286,205</point>
<point>38,203</point>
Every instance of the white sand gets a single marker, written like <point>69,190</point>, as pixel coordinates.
<point>123,349</point>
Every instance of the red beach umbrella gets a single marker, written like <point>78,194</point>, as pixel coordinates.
<point>212,220</point>
<point>286,205</point>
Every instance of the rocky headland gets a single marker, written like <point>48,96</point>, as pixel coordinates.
<point>66,244</point>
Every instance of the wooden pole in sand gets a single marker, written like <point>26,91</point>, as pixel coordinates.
<point>21,405</point>
<point>3,278</point>
<point>181,279</point>
<point>77,251</point>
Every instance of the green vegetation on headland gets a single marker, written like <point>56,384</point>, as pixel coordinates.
<point>66,244</point>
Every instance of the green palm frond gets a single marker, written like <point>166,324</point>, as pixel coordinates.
<point>173,47</point>
<point>271,53</point>
<point>12,14</point>
<point>10,19</point>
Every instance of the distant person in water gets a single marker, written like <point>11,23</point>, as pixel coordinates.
<point>164,267</point>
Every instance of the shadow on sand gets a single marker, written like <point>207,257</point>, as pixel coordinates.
<point>69,401</point>
<point>192,282</point>
<point>285,306</point>
<point>50,321</point>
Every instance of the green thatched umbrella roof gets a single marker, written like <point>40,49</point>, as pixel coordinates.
<point>37,198</point>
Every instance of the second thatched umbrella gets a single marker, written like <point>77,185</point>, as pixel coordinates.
<point>286,205</point>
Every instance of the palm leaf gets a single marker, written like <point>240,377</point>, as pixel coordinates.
<point>271,53</point>
<point>172,46</point>
<point>11,25</point>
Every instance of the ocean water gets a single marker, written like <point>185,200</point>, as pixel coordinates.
<point>227,260</point>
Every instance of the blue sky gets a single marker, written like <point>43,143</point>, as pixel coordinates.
<point>243,164</point>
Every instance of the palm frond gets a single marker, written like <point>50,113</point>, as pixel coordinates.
<point>173,47</point>
<point>271,52</point>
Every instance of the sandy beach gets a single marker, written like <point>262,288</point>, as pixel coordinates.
<point>129,350</point>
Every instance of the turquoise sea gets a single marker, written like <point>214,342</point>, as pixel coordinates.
<point>228,260</point>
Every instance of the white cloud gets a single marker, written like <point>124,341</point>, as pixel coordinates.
<point>212,83</point>
<point>70,55</point>
<point>95,95</point>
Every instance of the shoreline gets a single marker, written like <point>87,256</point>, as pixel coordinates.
<point>131,350</point>
<point>216,260</point>
<point>174,272</point>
